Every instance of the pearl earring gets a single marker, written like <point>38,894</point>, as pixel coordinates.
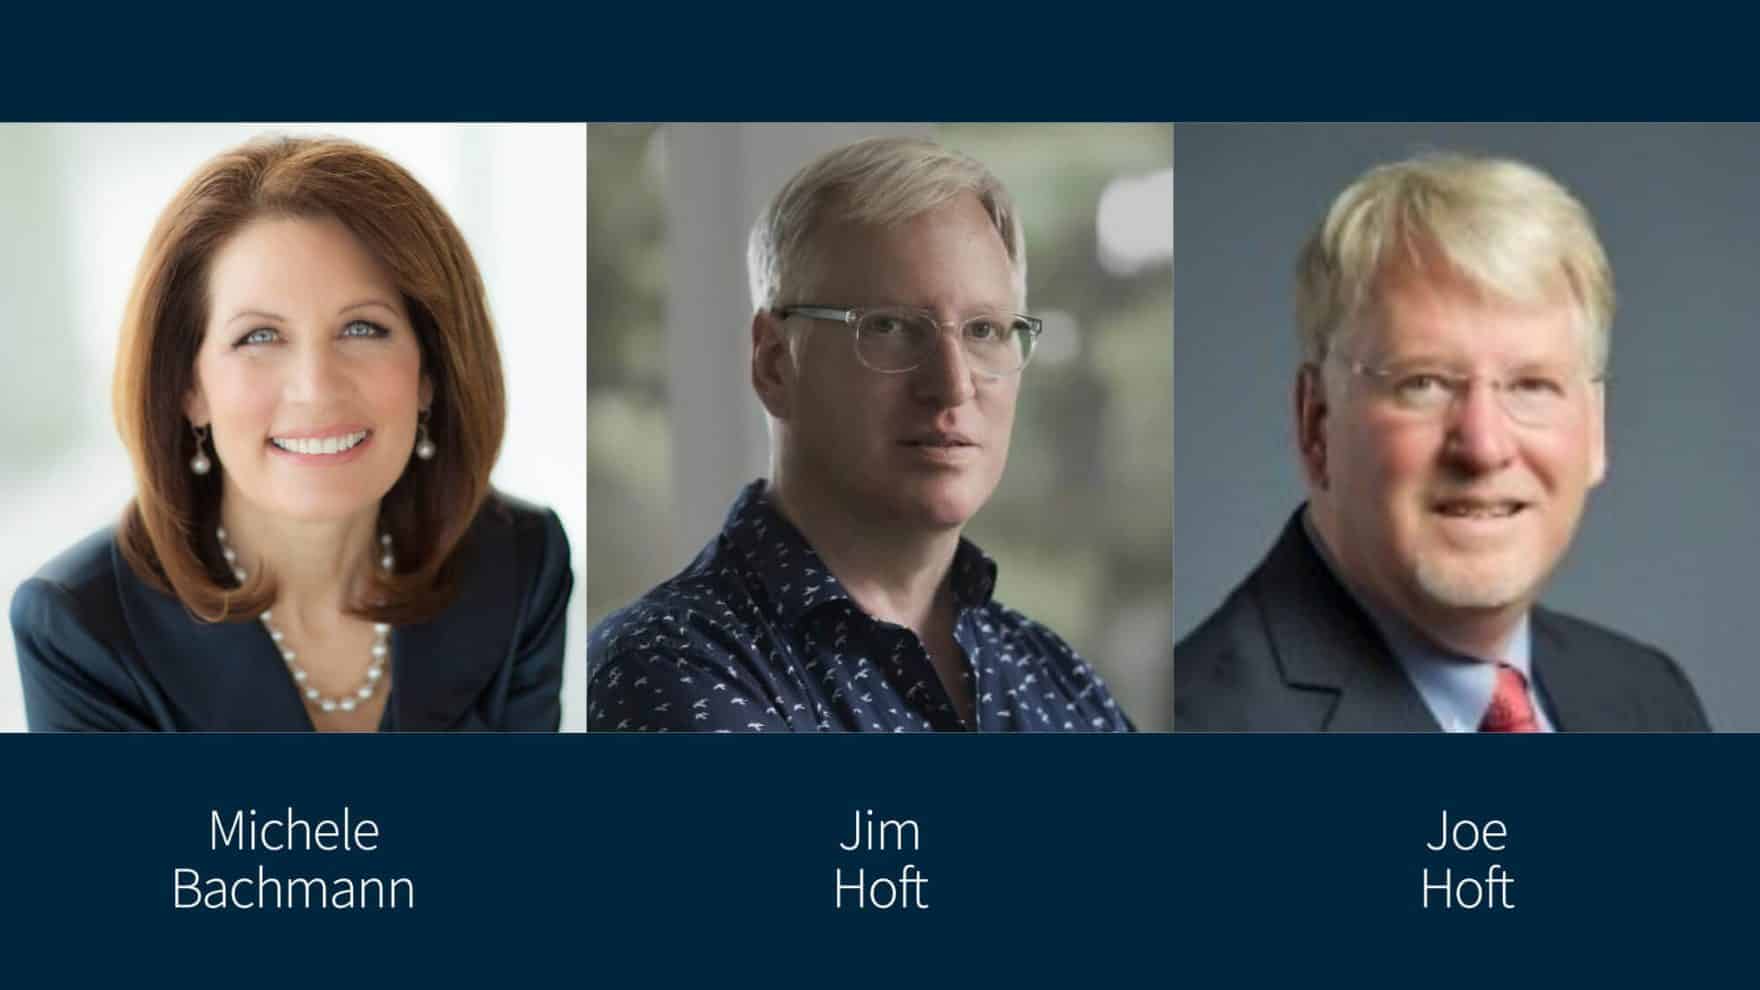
<point>424,445</point>
<point>200,464</point>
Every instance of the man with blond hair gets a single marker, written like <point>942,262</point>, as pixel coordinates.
<point>888,343</point>
<point>1450,417</point>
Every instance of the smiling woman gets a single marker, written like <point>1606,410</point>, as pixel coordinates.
<point>310,391</point>
<point>309,362</point>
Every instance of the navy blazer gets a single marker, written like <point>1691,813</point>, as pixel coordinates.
<point>1292,651</point>
<point>98,649</point>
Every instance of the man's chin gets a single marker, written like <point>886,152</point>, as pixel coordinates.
<point>940,507</point>
<point>1452,585</point>
<point>941,517</point>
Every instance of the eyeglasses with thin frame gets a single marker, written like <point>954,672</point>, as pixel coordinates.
<point>895,339</point>
<point>1538,397</point>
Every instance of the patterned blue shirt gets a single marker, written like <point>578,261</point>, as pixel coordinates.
<point>758,635</point>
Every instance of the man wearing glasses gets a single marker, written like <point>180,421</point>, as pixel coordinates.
<point>1450,414</point>
<point>887,348</point>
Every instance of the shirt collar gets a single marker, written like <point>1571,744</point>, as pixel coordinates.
<point>1457,688</point>
<point>794,575</point>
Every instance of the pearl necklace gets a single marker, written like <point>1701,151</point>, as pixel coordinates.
<point>381,640</point>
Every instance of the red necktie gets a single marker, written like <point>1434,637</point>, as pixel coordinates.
<point>1510,710</point>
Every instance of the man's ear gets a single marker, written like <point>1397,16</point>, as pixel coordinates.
<point>772,364</point>
<point>1311,410</point>
<point>1597,433</point>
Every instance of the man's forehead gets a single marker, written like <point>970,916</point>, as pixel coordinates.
<point>1451,296</point>
<point>855,224</point>
<point>943,250</point>
<point>1419,308</point>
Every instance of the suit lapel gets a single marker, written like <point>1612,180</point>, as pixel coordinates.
<point>1574,684</point>
<point>1325,641</point>
<point>224,676</point>
<point>1381,699</point>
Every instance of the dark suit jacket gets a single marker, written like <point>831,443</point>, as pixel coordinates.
<point>98,649</point>
<point>1292,651</point>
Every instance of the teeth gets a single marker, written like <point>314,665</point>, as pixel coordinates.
<point>320,445</point>
<point>1501,510</point>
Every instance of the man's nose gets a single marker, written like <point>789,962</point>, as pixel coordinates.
<point>1481,434</point>
<point>945,376</point>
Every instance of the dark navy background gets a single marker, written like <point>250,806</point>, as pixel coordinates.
<point>644,62</point>
<point>602,860</point>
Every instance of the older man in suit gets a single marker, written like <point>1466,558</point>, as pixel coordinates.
<point>1450,414</point>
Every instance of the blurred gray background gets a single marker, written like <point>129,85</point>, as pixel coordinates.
<point>1081,523</point>
<point>76,205</point>
<point>1668,547</point>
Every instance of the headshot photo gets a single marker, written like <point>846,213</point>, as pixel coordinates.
<point>1461,419</point>
<point>336,481</point>
<point>879,428</point>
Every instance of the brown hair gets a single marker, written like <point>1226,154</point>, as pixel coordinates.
<point>167,531</point>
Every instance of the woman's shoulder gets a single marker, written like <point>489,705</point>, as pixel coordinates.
<point>95,642</point>
<point>533,531</point>
<point>89,564</point>
<point>83,576</point>
<point>511,514</point>
<point>515,589</point>
<point>511,533</point>
<point>78,588</point>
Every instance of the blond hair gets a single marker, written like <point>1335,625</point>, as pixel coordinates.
<point>878,181</point>
<point>1507,228</point>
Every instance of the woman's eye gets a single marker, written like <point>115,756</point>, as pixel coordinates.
<point>362,328</point>
<point>261,335</point>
